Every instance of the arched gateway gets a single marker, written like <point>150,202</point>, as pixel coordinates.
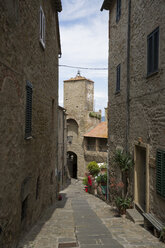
<point>72,164</point>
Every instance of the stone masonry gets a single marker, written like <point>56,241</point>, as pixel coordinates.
<point>136,112</point>
<point>78,101</point>
<point>84,220</point>
<point>27,166</point>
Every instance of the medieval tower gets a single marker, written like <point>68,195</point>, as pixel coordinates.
<point>78,102</point>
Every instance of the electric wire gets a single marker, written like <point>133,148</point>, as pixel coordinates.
<point>83,68</point>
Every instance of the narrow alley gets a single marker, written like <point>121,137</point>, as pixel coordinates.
<point>83,220</point>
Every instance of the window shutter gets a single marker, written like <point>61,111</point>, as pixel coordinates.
<point>160,172</point>
<point>163,175</point>
<point>118,78</point>
<point>150,54</point>
<point>153,51</point>
<point>40,23</point>
<point>28,122</point>
<point>44,29</point>
<point>156,50</point>
<point>119,8</point>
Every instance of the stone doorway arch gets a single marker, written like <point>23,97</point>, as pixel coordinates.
<point>72,164</point>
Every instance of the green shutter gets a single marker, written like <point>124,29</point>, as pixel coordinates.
<point>160,172</point>
<point>28,120</point>
<point>163,175</point>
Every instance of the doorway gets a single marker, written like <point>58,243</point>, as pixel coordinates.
<point>141,177</point>
<point>72,164</point>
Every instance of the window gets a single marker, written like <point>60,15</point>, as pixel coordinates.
<point>42,27</point>
<point>153,52</point>
<point>118,10</point>
<point>28,122</point>
<point>118,79</point>
<point>160,172</point>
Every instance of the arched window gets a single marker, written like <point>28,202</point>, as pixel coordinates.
<point>72,130</point>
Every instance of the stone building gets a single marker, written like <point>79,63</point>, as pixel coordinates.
<point>78,102</point>
<point>29,51</point>
<point>95,144</point>
<point>137,95</point>
<point>62,169</point>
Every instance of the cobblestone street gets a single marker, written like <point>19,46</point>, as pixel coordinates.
<point>85,220</point>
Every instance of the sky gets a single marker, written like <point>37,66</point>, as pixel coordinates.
<point>84,43</point>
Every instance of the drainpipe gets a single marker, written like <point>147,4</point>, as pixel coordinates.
<point>128,77</point>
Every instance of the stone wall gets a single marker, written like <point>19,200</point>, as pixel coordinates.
<point>146,94</point>
<point>62,171</point>
<point>27,167</point>
<point>78,101</point>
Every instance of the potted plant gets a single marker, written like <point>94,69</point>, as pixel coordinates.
<point>125,163</point>
<point>122,204</point>
<point>85,181</point>
<point>102,179</point>
<point>93,168</point>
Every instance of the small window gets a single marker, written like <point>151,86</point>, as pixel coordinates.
<point>28,121</point>
<point>118,79</point>
<point>153,52</point>
<point>42,27</point>
<point>160,172</point>
<point>118,10</point>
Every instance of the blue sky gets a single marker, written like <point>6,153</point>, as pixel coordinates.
<point>84,43</point>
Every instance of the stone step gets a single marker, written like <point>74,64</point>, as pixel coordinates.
<point>135,216</point>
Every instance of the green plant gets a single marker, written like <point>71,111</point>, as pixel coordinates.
<point>102,178</point>
<point>123,160</point>
<point>162,234</point>
<point>95,115</point>
<point>85,181</point>
<point>122,204</point>
<point>93,168</point>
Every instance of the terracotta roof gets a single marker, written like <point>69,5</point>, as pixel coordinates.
<point>106,5</point>
<point>58,5</point>
<point>100,131</point>
<point>78,78</point>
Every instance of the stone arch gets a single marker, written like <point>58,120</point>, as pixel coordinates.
<point>72,164</point>
<point>72,126</point>
<point>72,130</point>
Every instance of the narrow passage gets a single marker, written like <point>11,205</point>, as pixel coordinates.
<point>83,220</point>
<point>90,231</point>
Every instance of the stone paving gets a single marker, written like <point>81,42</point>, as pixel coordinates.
<point>86,221</point>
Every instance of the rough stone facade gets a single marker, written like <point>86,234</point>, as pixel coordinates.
<point>137,113</point>
<point>95,144</point>
<point>62,170</point>
<point>78,102</point>
<point>27,166</point>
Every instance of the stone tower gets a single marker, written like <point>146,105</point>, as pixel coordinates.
<point>78,101</point>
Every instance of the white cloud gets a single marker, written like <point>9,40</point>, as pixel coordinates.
<point>78,9</point>
<point>84,42</point>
